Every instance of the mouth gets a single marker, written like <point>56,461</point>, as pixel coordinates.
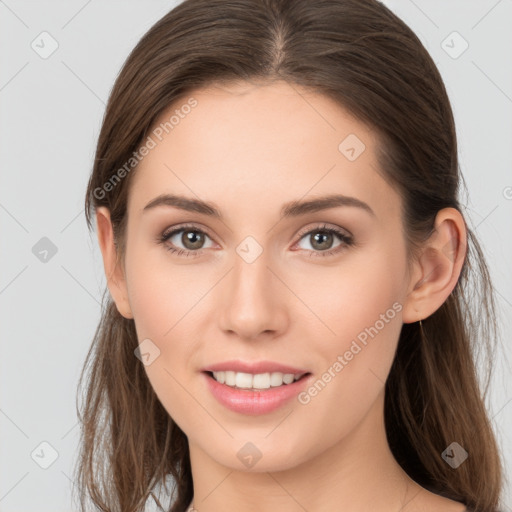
<point>255,394</point>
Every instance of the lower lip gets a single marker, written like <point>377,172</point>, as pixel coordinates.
<point>246,401</point>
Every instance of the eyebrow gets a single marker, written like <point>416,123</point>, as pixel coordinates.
<point>291,209</point>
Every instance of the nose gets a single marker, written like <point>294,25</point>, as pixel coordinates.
<point>253,300</point>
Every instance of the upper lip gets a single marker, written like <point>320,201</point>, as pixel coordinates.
<point>253,367</point>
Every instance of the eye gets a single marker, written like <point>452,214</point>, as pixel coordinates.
<point>321,239</point>
<point>191,237</point>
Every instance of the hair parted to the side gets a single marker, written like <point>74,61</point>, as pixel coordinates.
<point>360,54</point>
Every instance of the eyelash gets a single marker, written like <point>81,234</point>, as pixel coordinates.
<point>347,241</point>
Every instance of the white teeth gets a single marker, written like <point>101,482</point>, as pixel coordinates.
<point>229,378</point>
<point>243,380</point>
<point>256,381</point>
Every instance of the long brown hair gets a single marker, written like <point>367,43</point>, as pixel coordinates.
<point>360,54</point>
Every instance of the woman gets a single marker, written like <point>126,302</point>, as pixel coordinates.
<point>288,324</point>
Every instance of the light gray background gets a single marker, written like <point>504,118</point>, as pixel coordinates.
<point>51,111</point>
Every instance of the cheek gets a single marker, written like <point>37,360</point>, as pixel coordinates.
<point>358,312</point>
<point>354,295</point>
<point>167,301</point>
<point>161,292</point>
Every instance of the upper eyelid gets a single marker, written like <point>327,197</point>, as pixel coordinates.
<point>182,227</point>
<point>325,226</point>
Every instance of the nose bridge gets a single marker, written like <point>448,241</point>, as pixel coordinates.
<point>250,298</point>
<point>251,275</point>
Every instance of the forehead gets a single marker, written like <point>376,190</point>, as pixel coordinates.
<point>247,146</point>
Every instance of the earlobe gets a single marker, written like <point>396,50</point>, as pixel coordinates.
<point>116,281</point>
<point>438,269</point>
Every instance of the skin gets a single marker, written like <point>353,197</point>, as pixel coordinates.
<point>249,149</point>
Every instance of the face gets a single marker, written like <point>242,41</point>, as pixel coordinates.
<point>265,280</point>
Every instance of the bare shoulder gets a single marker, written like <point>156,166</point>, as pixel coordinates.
<point>426,501</point>
<point>448,505</point>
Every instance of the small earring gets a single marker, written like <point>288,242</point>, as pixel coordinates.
<point>422,334</point>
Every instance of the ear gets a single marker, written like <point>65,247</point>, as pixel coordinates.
<point>114,273</point>
<point>437,270</point>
